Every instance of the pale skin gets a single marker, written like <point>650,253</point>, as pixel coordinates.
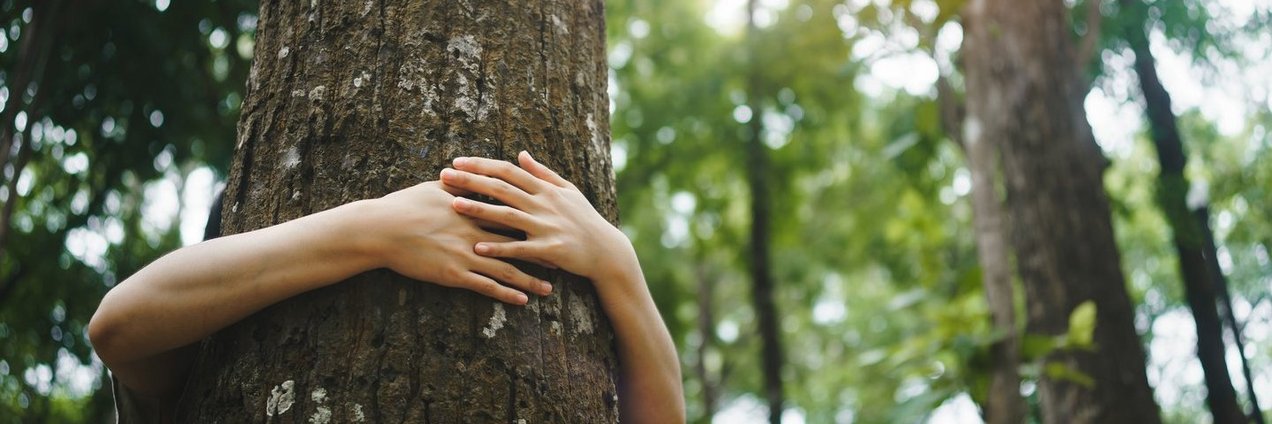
<point>145,327</point>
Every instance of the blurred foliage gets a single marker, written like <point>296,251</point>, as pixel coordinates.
<point>132,97</point>
<point>884,318</point>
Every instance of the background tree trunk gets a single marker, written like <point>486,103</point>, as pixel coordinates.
<point>1172,186</point>
<point>1003,403</point>
<point>1022,94</point>
<point>1202,215</point>
<point>706,333</point>
<point>352,100</point>
<point>762,297</point>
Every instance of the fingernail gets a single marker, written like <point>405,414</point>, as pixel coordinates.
<point>546,287</point>
<point>460,161</point>
<point>482,248</point>
<point>462,203</point>
<point>447,173</point>
<point>522,299</point>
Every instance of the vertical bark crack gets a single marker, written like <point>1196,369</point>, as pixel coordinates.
<point>382,118</point>
<point>512,392</point>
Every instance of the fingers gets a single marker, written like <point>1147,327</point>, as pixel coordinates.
<point>516,249</point>
<point>547,265</point>
<point>503,215</point>
<point>492,226</point>
<point>512,276</point>
<point>481,184</point>
<point>454,191</point>
<point>489,237</point>
<point>513,249</point>
<point>539,170</point>
<point>485,286</point>
<point>501,170</point>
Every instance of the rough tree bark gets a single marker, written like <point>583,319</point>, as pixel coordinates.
<point>352,100</point>
<point>762,297</point>
<point>1021,95</point>
<point>1172,186</point>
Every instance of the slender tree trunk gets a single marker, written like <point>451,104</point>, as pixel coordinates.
<point>1021,85</point>
<point>352,100</point>
<point>1199,290</point>
<point>706,334</point>
<point>761,271</point>
<point>1202,215</point>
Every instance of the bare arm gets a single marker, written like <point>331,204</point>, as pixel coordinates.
<point>649,384</point>
<point>565,231</point>
<point>144,326</point>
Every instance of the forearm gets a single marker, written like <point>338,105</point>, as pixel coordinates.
<point>649,380</point>
<point>195,291</point>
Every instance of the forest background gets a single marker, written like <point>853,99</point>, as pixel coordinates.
<point>123,117</point>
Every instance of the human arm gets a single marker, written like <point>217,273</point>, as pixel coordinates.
<point>143,327</point>
<point>564,230</point>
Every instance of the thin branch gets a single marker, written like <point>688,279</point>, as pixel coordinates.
<point>953,111</point>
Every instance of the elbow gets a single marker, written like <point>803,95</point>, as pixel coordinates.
<point>103,333</point>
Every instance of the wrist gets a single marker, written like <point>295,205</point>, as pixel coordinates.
<point>354,236</point>
<point>619,273</point>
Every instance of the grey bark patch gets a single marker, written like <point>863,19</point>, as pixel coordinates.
<point>318,395</point>
<point>497,320</point>
<point>322,415</point>
<point>356,411</point>
<point>554,328</point>
<point>291,158</point>
<point>580,316</point>
<point>281,398</point>
<point>317,92</point>
<point>466,46</point>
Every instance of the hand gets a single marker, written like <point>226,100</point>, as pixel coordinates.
<point>562,229</point>
<point>416,234</point>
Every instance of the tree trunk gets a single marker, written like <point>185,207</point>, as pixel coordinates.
<point>1022,94</point>
<point>1202,216</point>
<point>761,271</point>
<point>706,334</point>
<point>353,100</point>
<point>1004,405</point>
<point>1199,289</point>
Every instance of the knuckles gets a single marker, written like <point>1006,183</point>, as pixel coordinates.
<point>488,287</point>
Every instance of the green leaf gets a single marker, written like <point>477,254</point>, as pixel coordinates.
<point>1082,326</point>
<point>1061,371</point>
<point>1037,346</point>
